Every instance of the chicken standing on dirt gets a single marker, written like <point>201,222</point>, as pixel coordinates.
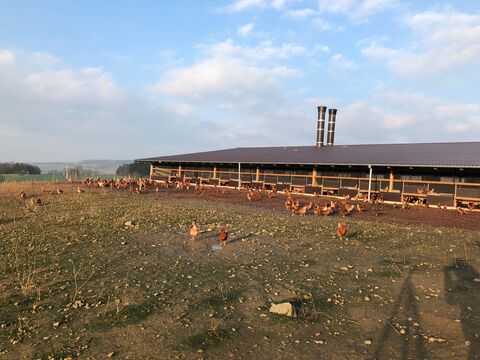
<point>193,230</point>
<point>34,202</point>
<point>342,230</point>
<point>223,236</point>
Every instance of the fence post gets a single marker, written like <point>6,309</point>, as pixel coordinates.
<point>239,176</point>
<point>390,184</point>
<point>455,195</point>
<point>369,182</point>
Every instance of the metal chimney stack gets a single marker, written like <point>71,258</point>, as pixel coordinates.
<point>321,126</point>
<point>332,114</point>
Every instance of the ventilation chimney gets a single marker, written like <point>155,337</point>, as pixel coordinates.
<point>321,126</point>
<point>332,114</point>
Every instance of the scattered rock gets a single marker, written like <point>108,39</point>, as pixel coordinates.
<point>131,223</point>
<point>77,304</point>
<point>283,309</point>
<point>368,342</point>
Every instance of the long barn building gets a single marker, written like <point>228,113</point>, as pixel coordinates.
<point>439,173</point>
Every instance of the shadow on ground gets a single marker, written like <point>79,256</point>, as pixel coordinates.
<point>462,291</point>
<point>394,344</point>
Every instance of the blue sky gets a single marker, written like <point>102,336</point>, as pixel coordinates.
<point>125,79</point>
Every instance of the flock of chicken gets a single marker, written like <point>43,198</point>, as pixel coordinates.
<point>342,208</point>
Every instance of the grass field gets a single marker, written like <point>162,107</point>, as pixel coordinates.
<point>30,178</point>
<point>75,282</point>
<point>42,178</point>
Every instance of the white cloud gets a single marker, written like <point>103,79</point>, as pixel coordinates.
<point>441,41</point>
<point>321,48</point>
<point>356,9</point>
<point>220,77</point>
<point>264,51</point>
<point>230,71</point>
<point>7,57</point>
<point>245,30</point>
<point>324,25</point>
<point>299,14</point>
<point>243,5</point>
<point>66,85</point>
<point>244,90</point>
<point>59,113</point>
<point>395,116</point>
<point>279,4</point>
<point>340,62</point>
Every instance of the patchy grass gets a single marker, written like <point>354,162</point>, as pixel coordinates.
<point>75,281</point>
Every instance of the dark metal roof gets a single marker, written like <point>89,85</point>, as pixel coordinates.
<point>455,154</point>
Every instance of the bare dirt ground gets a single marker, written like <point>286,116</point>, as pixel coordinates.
<point>75,282</point>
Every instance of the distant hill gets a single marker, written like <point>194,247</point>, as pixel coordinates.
<point>102,166</point>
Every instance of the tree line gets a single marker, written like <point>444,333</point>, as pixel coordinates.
<point>19,168</point>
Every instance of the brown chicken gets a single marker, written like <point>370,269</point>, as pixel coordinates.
<point>79,190</point>
<point>326,211</point>
<point>377,211</point>
<point>194,230</point>
<point>303,210</point>
<point>361,208</point>
<point>251,195</point>
<point>59,191</point>
<point>223,236</point>
<point>347,209</point>
<point>22,195</point>
<point>342,230</point>
<point>294,207</point>
<point>317,209</point>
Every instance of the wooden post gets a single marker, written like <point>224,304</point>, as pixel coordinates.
<point>214,171</point>
<point>239,176</point>
<point>390,185</point>
<point>455,193</point>
<point>369,182</point>
<point>314,177</point>
<point>179,170</point>
<point>257,175</point>
<point>151,170</point>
